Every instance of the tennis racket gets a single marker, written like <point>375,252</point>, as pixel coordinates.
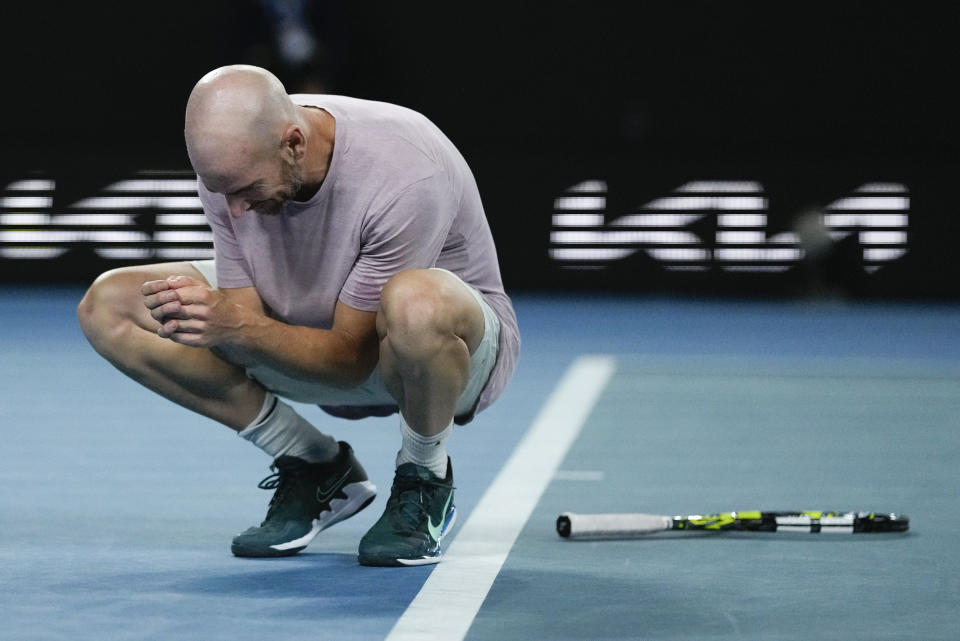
<point>574,526</point>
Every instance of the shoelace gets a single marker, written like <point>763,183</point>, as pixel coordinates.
<point>409,494</point>
<point>281,481</point>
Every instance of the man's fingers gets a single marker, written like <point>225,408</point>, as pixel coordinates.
<point>154,286</point>
<point>191,300</point>
<point>179,311</point>
<point>177,282</point>
<point>171,282</point>
<point>167,328</point>
<point>152,301</point>
<point>188,326</point>
<point>192,295</point>
<point>184,332</point>
<point>173,326</point>
<point>159,292</point>
<point>182,306</point>
<point>169,311</point>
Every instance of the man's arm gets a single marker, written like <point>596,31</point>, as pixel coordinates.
<point>233,322</point>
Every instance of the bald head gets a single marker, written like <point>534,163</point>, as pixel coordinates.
<point>236,115</point>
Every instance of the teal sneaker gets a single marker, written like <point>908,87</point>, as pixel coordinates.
<point>419,514</point>
<point>309,498</point>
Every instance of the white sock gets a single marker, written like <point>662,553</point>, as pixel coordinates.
<point>279,431</point>
<point>428,451</point>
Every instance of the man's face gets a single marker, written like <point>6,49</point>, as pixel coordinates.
<point>265,188</point>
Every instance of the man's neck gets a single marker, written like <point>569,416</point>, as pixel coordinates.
<point>321,129</point>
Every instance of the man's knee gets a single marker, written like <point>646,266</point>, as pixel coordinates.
<point>423,305</point>
<point>107,302</point>
<point>113,303</point>
<point>410,306</point>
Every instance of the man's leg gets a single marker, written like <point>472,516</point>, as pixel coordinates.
<point>121,329</point>
<point>429,325</point>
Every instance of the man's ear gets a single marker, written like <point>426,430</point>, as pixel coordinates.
<point>294,142</point>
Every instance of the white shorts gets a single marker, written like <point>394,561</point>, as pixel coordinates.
<point>373,392</point>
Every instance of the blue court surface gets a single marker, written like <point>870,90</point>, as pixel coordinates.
<point>118,507</point>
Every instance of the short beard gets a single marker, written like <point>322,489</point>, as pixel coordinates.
<point>292,177</point>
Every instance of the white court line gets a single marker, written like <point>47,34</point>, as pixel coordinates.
<point>445,607</point>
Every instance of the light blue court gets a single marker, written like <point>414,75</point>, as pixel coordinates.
<point>118,508</point>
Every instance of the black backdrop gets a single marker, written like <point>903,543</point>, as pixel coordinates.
<point>809,102</point>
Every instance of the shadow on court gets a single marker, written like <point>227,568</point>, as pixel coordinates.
<point>328,577</point>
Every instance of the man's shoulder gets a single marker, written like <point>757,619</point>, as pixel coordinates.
<point>385,145</point>
<point>356,109</point>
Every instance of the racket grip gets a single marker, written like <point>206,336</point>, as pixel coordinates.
<point>575,526</point>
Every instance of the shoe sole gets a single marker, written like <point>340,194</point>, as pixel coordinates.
<point>359,496</point>
<point>424,560</point>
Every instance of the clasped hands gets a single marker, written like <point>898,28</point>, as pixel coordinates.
<point>190,312</point>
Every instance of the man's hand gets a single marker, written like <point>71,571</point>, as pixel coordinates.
<point>191,313</point>
<point>234,322</point>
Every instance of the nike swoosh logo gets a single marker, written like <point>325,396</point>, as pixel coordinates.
<point>436,530</point>
<point>326,492</point>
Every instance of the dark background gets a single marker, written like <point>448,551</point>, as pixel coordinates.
<point>811,101</point>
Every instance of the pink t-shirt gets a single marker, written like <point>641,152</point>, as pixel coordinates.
<point>398,195</point>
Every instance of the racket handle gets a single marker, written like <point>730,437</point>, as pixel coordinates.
<point>573,526</point>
